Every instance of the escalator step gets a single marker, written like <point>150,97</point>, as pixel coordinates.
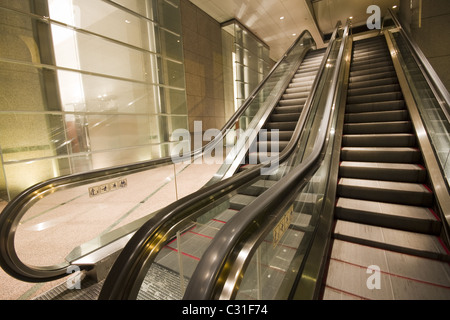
<point>413,243</point>
<point>288,109</point>
<point>414,194</point>
<point>372,89</point>
<point>378,127</point>
<point>375,106</point>
<point>375,83</point>
<point>284,117</point>
<point>366,71</point>
<point>292,102</point>
<point>373,76</point>
<point>379,140</point>
<point>381,154</point>
<point>367,98</point>
<point>282,126</point>
<point>379,116</point>
<point>239,201</point>
<point>404,172</point>
<point>397,216</point>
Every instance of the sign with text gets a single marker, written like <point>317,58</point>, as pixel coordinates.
<point>107,187</point>
<point>282,226</point>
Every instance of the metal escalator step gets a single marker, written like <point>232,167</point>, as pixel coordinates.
<point>282,126</point>
<point>372,65</point>
<point>310,73</point>
<point>373,89</point>
<point>297,95</point>
<point>276,117</point>
<point>389,215</point>
<point>292,102</point>
<point>304,85</point>
<point>375,106</point>
<point>304,80</point>
<point>381,154</point>
<point>379,140</point>
<point>404,172</point>
<point>417,244</point>
<point>306,202</point>
<point>257,188</point>
<point>288,109</point>
<point>378,127</point>
<point>301,220</point>
<point>374,83</point>
<point>370,55</point>
<point>304,90</point>
<point>308,68</point>
<point>239,201</point>
<point>369,61</point>
<point>373,76</point>
<point>415,194</point>
<point>402,276</point>
<point>161,283</point>
<point>367,98</point>
<point>378,116</point>
<point>366,71</point>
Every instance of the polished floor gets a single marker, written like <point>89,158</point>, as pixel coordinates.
<point>60,222</point>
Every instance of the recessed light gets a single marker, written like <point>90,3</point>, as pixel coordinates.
<point>351,17</point>
<point>294,34</point>
<point>127,21</point>
<point>281,18</point>
<point>393,7</point>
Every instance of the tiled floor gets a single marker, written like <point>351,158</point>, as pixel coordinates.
<point>51,228</point>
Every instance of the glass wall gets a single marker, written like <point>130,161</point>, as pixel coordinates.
<point>87,84</point>
<point>248,60</point>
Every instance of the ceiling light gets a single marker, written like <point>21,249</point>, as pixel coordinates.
<point>351,17</point>
<point>294,34</point>
<point>281,18</point>
<point>393,7</point>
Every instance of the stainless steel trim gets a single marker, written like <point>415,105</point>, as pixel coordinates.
<point>432,165</point>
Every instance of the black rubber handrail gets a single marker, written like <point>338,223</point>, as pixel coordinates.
<point>224,249</point>
<point>126,275</point>
<point>17,207</point>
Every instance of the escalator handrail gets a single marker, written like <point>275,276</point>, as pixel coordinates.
<point>16,208</point>
<point>141,250</point>
<point>203,282</point>
<point>433,80</point>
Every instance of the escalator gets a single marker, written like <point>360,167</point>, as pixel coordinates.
<point>353,211</point>
<point>386,220</point>
<point>279,104</point>
<point>162,281</point>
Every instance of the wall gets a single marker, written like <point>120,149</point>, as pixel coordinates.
<point>100,84</point>
<point>429,23</point>
<point>202,45</point>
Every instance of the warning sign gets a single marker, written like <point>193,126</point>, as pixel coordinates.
<point>107,187</point>
<point>282,226</point>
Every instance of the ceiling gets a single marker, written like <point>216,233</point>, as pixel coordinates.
<point>264,17</point>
